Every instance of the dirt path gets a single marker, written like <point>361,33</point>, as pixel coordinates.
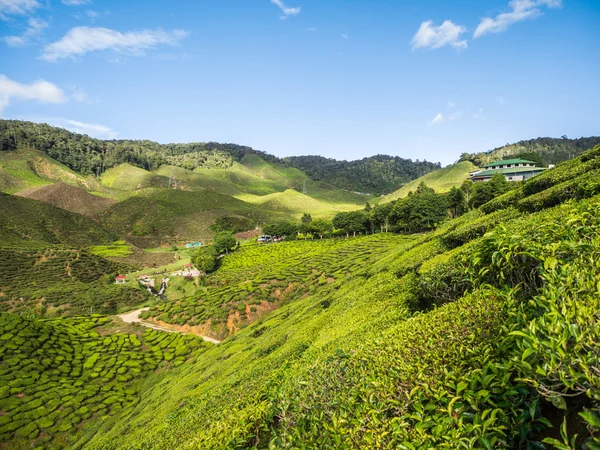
<point>134,317</point>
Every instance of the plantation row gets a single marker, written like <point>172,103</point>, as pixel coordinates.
<point>62,282</point>
<point>57,374</point>
<point>255,276</point>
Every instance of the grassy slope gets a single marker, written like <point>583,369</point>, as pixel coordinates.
<point>68,197</point>
<point>154,216</point>
<point>353,366</point>
<point>26,222</point>
<point>26,168</point>
<point>441,180</point>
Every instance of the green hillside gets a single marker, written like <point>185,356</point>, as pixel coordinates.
<point>473,333</point>
<point>152,216</point>
<point>550,150</point>
<point>296,203</point>
<point>441,180</point>
<point>27,168</point>
<point>58,376</point>
<point>71,198</point>
<point>26,222</point>
<point>482,333</point>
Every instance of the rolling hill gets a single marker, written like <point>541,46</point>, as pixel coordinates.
<point>69,197</point>
<point>441,180</point>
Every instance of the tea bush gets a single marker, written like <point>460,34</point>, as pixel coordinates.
<point>58,374</point>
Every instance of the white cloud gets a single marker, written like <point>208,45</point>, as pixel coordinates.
<point>78,94</point>
<point>76,2</point>
<point>81,40</point>
<point>430,36</point>
<point>479,114</point>
<point>311,29</point>
<point>441,118</point>
<point>451,104</point>
<point>285,10</point>
<point>500,100</point>
<point>41,91</point>
<point>344,36</point>
<point>521,10</point>
<point>91,129</point>
<point>17,7</point>
<point>35,27</point>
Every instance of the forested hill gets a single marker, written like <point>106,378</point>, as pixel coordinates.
<point>86,155</point>
<point>378,174</point>
<point>548,150</point>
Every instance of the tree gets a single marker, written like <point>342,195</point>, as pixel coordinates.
<point>485,191</point>
<point>305,223</point>
<point>205,259</point>
<point>321,227</point>
<point>368,207</point>
<point>351,222</point>
<point>283,228</point>
<point>223,224</point>
<point>420,212</point>
<point>225,241</point>
<point>457,202</point>
<point>380,216</point>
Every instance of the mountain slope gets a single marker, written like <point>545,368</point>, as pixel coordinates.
<point>472,324</point>
<point>441,180</point>
<point>27,222</point>
<point>551,150</point>
<point>68,197</point>
<point>376,174</point>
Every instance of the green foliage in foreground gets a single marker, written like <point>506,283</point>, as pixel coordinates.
<point>58,375</point>
<point>371,365</point>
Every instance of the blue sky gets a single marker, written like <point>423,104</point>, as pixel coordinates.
<point>425,79</point>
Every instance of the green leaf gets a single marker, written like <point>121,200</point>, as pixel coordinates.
<point>591,418</point>
<point>559,402</point>
<point>559,445</point>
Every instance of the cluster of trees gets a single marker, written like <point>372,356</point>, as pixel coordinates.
<point>232,224</point>
<point>378,174</point>
<point>547,150</point>
<point>307,225</point>
<point>421,210</point>
<point>94,156</point>
<point>206,258</point>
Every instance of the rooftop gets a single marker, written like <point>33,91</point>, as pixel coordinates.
<point>509,170</point>
<point>509,161</point>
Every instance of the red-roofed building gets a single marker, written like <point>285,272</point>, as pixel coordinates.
<point>120,279</point>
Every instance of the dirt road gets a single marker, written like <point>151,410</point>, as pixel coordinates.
<point>134,317</point>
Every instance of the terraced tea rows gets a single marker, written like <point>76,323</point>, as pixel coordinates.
<point>257,279</point>
<point>62,281</point>
<point>57,374</point>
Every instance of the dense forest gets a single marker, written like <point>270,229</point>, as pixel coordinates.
<point>94,156</point>
<point>549,150</point>
<point>378,174</point>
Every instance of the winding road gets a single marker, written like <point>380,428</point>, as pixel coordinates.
<point>134,317</point>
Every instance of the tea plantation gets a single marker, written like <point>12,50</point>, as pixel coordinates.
<point>482,334</point>
<point>59,281</point>
<point>256,279</point>
<point>57,375</point>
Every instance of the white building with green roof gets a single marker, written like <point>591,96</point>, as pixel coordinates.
<point>512,169</point>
